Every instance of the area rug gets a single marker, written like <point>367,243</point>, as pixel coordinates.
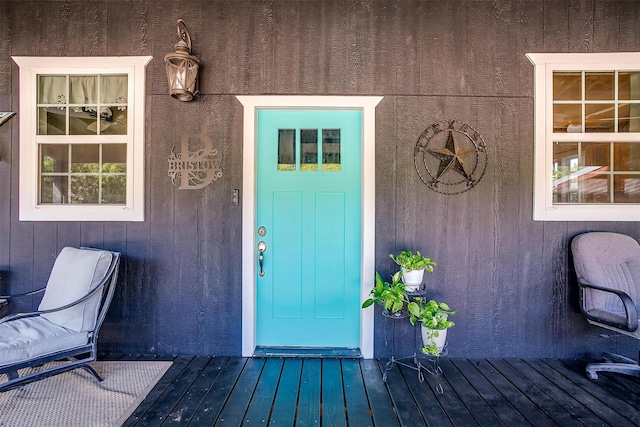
<point>77,399</point>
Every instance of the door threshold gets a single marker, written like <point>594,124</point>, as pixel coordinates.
<point>308,352</point>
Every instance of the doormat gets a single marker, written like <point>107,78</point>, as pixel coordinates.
<point>77,399</point>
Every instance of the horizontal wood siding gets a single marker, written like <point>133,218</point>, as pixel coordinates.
<point>180,289</point>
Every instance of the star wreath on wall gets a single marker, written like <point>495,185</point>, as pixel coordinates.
<point>450,157</point>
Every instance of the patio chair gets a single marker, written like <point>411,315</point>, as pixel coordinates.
<point>65,327</point>
<point>608,270</point>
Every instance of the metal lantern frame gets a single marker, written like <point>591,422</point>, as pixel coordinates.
<point>182,67</point>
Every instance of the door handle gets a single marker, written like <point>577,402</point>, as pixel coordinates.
<point>262,246</point>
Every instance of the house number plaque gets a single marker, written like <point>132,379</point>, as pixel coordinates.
<point>196,165</point>
<point>450,157</point>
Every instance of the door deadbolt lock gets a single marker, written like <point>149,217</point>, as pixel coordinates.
<point>262,231</point>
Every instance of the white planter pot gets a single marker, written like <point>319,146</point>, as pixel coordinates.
<point>440,340</point>
<point>412,279</point>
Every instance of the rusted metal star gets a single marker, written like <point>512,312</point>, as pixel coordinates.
<point>451,157</point>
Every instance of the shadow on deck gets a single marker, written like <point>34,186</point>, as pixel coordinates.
<point>234,391</point>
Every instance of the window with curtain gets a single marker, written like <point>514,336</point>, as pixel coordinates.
<point>82,130</point>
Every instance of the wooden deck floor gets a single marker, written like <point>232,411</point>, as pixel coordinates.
<point>221,391</point>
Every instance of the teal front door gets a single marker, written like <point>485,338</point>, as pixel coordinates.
<point>308,221</point>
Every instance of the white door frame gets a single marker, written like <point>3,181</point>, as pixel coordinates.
<point>251,104</point>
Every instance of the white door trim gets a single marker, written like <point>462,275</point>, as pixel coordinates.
<point>251,104</point>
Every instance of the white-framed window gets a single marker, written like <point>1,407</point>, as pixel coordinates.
<point>587,136</point>
<point>82,138</point>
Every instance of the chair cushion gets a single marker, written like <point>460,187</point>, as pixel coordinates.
<point>74,274</point>
<point>32,337</point>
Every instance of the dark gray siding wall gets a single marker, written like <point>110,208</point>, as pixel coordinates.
<point>180,291</point>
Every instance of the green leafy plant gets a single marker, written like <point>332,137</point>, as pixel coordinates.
<point>392,296</point>
<point>434,316</point>
<point>413,261</point>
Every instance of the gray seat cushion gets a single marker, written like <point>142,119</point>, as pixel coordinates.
<point>74,274</point>
<point>31,337</point>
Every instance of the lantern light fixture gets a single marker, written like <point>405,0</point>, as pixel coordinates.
<point>182,67</point>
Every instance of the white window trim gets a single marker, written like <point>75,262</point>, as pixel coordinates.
<point>544,66</point>
<point>251,104</point>
<point>30,68</point>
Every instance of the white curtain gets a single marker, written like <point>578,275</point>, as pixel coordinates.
<point>83,90</point>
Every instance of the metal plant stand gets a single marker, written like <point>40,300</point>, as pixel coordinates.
<point>432,366</point>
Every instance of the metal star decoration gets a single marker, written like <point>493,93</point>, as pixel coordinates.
<point>451,157</point>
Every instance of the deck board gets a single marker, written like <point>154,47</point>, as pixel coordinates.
<point>286,400</point>
<point>310,392</point>
<point>235,391</point>
<point>355,394</point>
<point>560,406</point>
<point>185,409</point>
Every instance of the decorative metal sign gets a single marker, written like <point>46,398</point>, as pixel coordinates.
<point>196,165</point>
<point>450,157</point>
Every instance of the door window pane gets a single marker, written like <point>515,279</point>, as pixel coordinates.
<point>308,149</point>
<point>286,149</point>
<point>331,150</point>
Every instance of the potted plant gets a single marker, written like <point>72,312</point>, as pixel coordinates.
<point>392,296</point>
<point>413,266</point>
<point>434,319</point>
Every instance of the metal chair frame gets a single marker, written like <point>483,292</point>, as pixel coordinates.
<point>76,357</point>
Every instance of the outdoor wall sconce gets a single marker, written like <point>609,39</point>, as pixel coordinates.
<point>182,67</point>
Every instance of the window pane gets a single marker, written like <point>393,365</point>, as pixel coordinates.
<point>52,89</point>
<point>53,190</point>
<point>567,118</point>
<point>629,118</point>
<point>84,189</point>
<point>565,162</point>
<point>286,149</point>
<point>83,90</point>
<point>599,85</point>
<point>113,89</point>
<point>626,156</point>
<point>113,121</point>
<point>52,121</point>
<point>54,158</point>
<point>309,149</point>
<point>330,149</point>
<point>599,117</point>
<point>594,188</point>
<point>577,172</point>
<point>626,188</point>
<point>83,120</point>
<point>629,85</point>
<point>114,190</point>
<point>595,154</point>
<point>567,86</point>
<point>114,158</point>
<point>85,158</point>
